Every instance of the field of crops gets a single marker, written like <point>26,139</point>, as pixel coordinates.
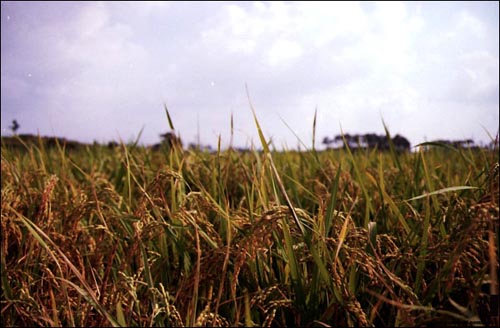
<point>128,236</point>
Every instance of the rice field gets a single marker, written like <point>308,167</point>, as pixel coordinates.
<point>130,236</point>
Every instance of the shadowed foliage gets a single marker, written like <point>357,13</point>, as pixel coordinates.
<point>368,141</point>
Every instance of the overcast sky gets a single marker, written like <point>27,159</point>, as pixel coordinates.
<point>103,70</point>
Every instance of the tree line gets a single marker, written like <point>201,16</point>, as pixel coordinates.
<point>353,141</point>
<point>367,141</point>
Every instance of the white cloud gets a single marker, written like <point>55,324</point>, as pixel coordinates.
<point>322,22</point>
<point>14,88</point>
<point>236,30</point>
<point>355,61</point>
<point>284,51</point>
<point>459,63</point>
<point>100,76</point>
<point>92,19</point>
<point>390,42</point>
<point>481,75</point>
<point>98,42</point>
<point>467,23</point>
<point>380,55</point>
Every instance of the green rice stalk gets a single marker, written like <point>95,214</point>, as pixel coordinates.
<point>441,191</point>
<point>331,213</point>
<point>449,147</point>
<point>168,117</point>
<point>391,147</point>
<point>392,205</point>
<point>120,316</point>
<point>87,291</point>
<point>342,236</point>
<point>421,262</point>
<point>369,207</point>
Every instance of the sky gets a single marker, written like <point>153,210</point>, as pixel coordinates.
<point>103,71</point>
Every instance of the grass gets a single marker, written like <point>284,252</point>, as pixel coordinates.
<point>128,236</point>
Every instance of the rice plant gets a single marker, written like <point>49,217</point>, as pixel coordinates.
<point>131,236</point>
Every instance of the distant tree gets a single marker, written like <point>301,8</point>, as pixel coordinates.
<point>14,126</point>
<point>112,144</point>
<point>326,141</point>
<point>352,141</point>
<point>371,140</point>
<point>468,143</point>
<point>368,141</point>
<point>401,143</point>
<point>171,140</point>
<point>383,142</point>
<point>465,143</point>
